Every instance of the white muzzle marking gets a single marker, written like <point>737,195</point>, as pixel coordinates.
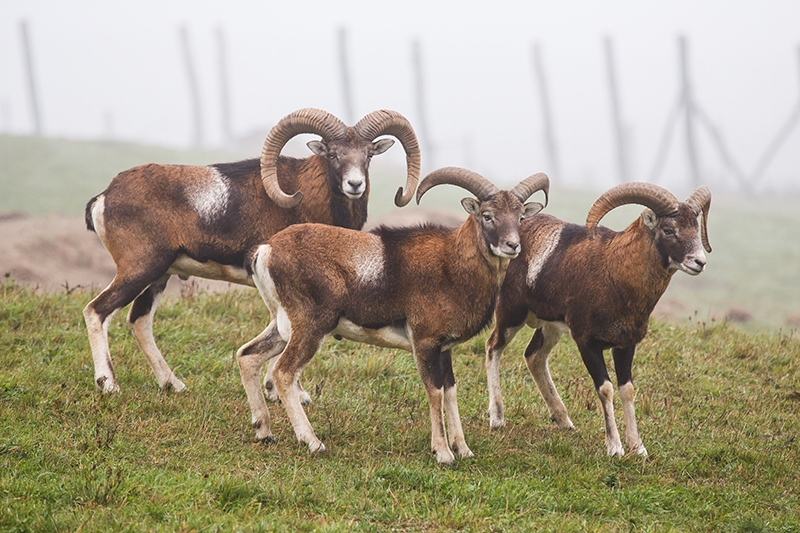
<point>354,183</point>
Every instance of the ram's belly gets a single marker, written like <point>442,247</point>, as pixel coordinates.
<point>185,266</point>
<point>393,336</point>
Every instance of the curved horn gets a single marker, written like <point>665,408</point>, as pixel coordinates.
<point>482,188</point>
<point>386,122</point>
<point>700,201</point>
<point>531,184</point>
<point>307,120</point>
<point>660,200</point>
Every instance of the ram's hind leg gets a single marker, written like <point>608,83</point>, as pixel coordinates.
<point>495,345</point>
<point>536,356</point>
<point>251,357</point>
<point>98,313</point>
<point>272,393</point>
<point>305,334</point>
<point>140,320</point>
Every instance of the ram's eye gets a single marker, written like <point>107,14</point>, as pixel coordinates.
<point>669,231</point>
<point>332,155</point>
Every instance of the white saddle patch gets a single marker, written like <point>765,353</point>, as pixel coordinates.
<point>548,244</point>
<point>367,262</point>
<point>209,195</point>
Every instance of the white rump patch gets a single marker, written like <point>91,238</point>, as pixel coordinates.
<point>549,242</point>
<point>209,194</point>
<point>368,262</point>
<point>98,218</point>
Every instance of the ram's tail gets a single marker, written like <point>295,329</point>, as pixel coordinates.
<point>88,214</point>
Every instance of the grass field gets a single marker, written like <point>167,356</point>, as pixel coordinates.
<point>717,409</point>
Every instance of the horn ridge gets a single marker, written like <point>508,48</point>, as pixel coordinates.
<point>700,202</point>
<point>657,198</point>
<point>537,182</point>
<point>482,188</point>
<point>388,122</point>
<point>306,120</point>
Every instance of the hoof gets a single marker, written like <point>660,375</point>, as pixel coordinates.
<point>107,385</point>
<point>640,451</point>
<point>305,399</point>
<point>615,451</point>
<point>317,447</point>
<point>269,439</point>
<point>445,459</point>
<point>497,424</point>
<point>174,385</point>
<point>467,454</point>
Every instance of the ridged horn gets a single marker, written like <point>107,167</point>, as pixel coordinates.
<point>660,200</point>
<point>307,120</point>
<point>387,122</point>
<point>700,201</point>
<point>482,188</point>
<point>531,184</point>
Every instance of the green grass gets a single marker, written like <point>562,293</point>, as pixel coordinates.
<point>717,410</point>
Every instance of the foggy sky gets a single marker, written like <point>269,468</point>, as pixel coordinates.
<point>108,69</point>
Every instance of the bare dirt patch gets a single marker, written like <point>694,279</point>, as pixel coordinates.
<point>58,253</point>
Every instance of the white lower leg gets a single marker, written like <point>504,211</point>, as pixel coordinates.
<point>251,358</point>
<point>143,332</point>
<point>613,442</point>
<point>496,408</point>
<point>539,369</point>
<point>632,438</point>
<point>290,398</point>
<point>269,382</point>
<point>439,447</point>
<point>457,441</point>
<point>101,356</point>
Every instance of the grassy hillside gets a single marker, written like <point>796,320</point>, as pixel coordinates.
<point>753,272</point>
<point>717,410</point>
<point>43,176</point>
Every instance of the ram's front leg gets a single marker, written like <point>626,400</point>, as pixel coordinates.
<point>623,360</point>
<point>251,357</point>
<point>428,357</point>
<point>457,441</point>
<point>593,359</point>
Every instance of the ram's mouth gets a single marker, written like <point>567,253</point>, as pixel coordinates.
<point>500,252</point>
<point>353,193</point>
<point>692,270</point>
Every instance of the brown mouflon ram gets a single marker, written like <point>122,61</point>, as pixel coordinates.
<point>160,220</point>
<point>600,286</point>
<point>423,289</point>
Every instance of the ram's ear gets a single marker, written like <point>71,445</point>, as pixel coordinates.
<point>649,218</point>
<point>318,147</point>
<point>471,206</point>
<point>381,145</point>
<point>531,209</point>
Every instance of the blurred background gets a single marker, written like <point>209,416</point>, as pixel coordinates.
<point>678,93</point>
